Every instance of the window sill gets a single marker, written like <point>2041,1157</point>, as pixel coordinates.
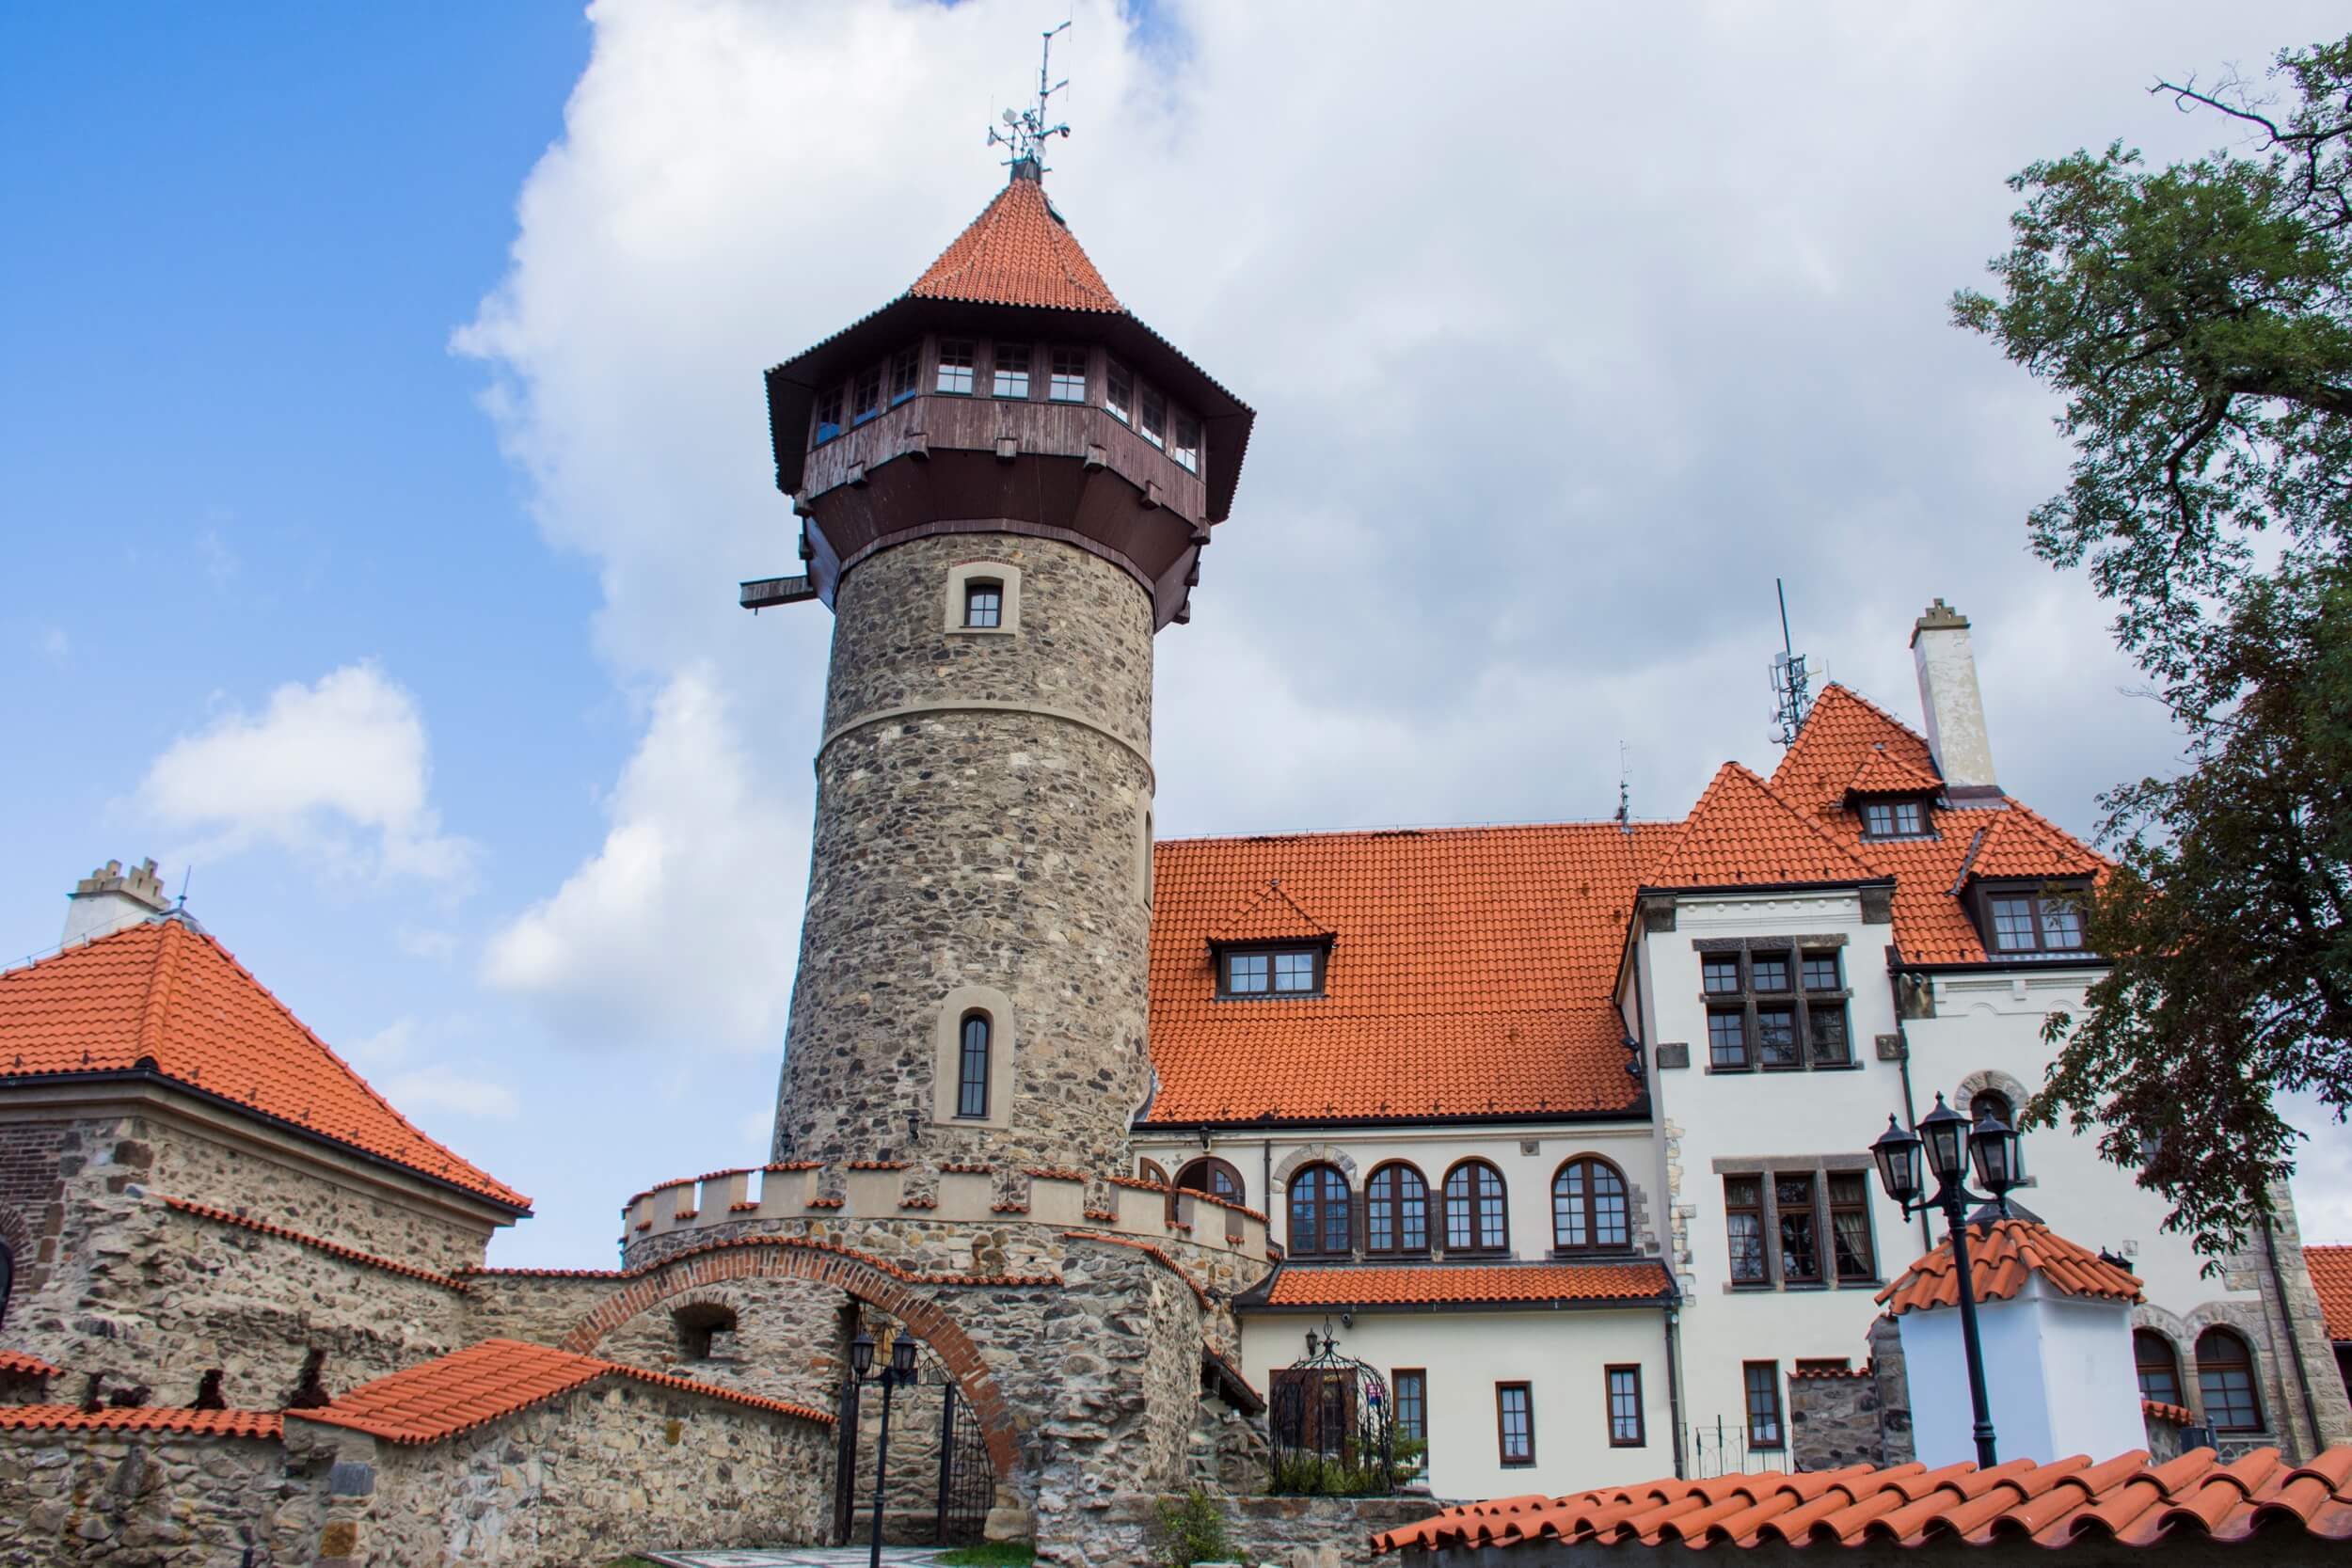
<point>1628,1442</point>
<point>1713,1068</point>
<point>981,631</point>
<point>1518,1465</point>
<point>1594,1255</point>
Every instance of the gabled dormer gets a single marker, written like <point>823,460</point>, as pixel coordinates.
<point>1269,948</point>
<point>1891,799</point>
<point>2025,885</point>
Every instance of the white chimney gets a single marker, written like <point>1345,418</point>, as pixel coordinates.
<point>1954,707</point>
<point>110,898</point>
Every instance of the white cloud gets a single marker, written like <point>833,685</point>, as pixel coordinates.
<point>679,932</point>
<point>422,942</point>
<point>441,1087</point>
<point>53,644</point>
<point>388,1047</point>
<point>337,772</point>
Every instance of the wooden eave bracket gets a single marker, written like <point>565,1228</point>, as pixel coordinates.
<point>1008,448</point>
<point>1096,458</point>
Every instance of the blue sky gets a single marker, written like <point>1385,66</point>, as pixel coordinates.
<point>385,437</point>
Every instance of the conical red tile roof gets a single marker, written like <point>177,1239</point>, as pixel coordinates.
<point>166,994</point>
<point>1018,251</point>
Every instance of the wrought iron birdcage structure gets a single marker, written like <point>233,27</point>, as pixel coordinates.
<point>1331,1423</point>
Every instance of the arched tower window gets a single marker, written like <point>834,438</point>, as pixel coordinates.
<point>1396,1210</point>
<point>2159,1369</point>
<point>1319,1216</point>
<point>1475,1220</point>
<point>1212,1176</point>
<point>1588,1207</point>
<point>2225,1381</point>
<point>972,1068</point>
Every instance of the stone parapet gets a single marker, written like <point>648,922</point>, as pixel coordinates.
<point>664,1218</point>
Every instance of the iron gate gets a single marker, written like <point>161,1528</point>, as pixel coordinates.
<point>964,1480</point>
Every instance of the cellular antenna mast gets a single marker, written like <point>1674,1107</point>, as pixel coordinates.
<point>1792,684</point>
<point>1026,132</point>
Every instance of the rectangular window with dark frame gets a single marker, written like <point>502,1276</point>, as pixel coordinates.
<point>1119,390</point>
<point>1726,1039</point>
<point>828,421</point>
<point>972,1069</point>
<point>1515,1424</point>
<point>1776,1038</point>
<point>1744,1218</point>
<point>1768,971</point>
<point>1186,446</point>
<point>983,605</point>
<point>1893,820</point>
<point>1800,1241</point>
<point>1069,380</point>
<point>1413,1404</point>
<point>1762,1383</point>
<point>1827,1025</point>
<point>1246,974</point>
<point>2022,920</point>
<point>1624,1407</point>
<point>867,401</point>
<point>1821,971</point>
<point>1012,371</point>
<point>1849,1226</point>
<point>1719,974</point>
<point>1151,417</point>
<point>905,366</point>
<point>957,357</point>
<point>1278,972</point>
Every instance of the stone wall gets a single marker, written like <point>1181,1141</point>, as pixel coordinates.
<point>1834,1421</point>
<point>1281,1532</point>
<point>612,1468</point>
<point>995,845</point>
<point>156,1500</point>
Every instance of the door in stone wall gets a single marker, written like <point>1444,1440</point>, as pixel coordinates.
<point>940,1483</point>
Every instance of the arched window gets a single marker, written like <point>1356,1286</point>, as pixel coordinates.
<point>1475,1220</point>
<point>2225,1381</point>
<point>1319,1213</point>
<point>2159,1369</point>
<point>1152,1171</point>
<point>1396,1210</point>
<point>972,1068</point>
<point>1211,1175</point>
<point>1588,1207</point>
<point>1992,1102</point>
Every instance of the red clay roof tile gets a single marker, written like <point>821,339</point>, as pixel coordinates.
<point>2195,1498</point>
<point>145,1419</point>
<point>1018,251</point>
<point>163,993</point>
<point>468,1388</point>
<point>1268,915</point>
<point>1391,1286</point>
<point>2001,1257</point>
<point>1884,773</point>
<point>1471,975</point>
<point>1742,833</point>
<point>22,1365</point>
<point>2331,1277</point>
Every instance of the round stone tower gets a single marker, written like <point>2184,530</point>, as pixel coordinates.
<point>1006,480</point>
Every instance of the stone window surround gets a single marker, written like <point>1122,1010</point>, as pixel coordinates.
<point>947,1053</point>
<point>1799,1000</point>
<point>1820,1167</point>
<point>1007,579</point>
<point>2007,1087</point>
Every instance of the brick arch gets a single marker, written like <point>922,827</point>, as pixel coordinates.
<point>692,1273</point>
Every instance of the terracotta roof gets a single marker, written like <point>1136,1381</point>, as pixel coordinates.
<point>482,1383</point>
<point>333,1249</point>
<point>2016,843</point>
<point>164,995</point>
<point>1268,915</point>
<point>2195,1498</point>
<point>1884,774</point>
<point>1840,733</point>
<point>2331,1277</point>
<point>1742,833</point>
<point>1407,1286</point>
<point>147,1418</point>
<point>2001,1257</point>
<point>22,1365</point>
<point>1018,251</point>
<point>2179,1415</point>
<point>1471,975</point>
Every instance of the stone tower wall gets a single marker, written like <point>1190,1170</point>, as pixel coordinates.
<point>981,839</point>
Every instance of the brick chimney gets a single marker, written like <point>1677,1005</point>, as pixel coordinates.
<point>1953,707</point>
<point>110,898</point>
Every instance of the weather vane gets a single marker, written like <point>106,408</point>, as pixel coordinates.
<point>1025,130</point>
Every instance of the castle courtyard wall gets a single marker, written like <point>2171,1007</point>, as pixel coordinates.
<point>154,1500</point>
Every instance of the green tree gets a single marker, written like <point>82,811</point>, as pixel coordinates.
<point>2194,319</point>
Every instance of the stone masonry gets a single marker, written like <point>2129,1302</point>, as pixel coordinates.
<point>980,822</point>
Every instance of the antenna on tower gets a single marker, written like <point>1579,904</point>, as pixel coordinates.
<point>1026,132</point>
<point>1792,684</point>
<point>1625,793</point>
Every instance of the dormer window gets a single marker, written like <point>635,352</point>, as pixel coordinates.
<point>1271,972</point>
<point>1894,818</point>
<point>956,361</point>
<point>1069,382</point>
<point>828,413</point>
<point>2032,919</point>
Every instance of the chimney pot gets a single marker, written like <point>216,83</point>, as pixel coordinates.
<point>110,898</point>
<point>1951,704</point>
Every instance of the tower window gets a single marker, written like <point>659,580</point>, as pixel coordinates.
<point>1152,425</point>
<point>1187,448</point>
<point>828,414</point>
<point>904,367</point>
<point>1013,370</point>
<point>1893,820</point>
<point>1119,391</point>
<point>867,402</point>
<point>983,604</point>
<point>1069,383</point>
<point>972,1068</point>
<point>956,360</point>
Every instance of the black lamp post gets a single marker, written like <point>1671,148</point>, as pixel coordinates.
<point>901,1370</point>
<point>1950,1145</point>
